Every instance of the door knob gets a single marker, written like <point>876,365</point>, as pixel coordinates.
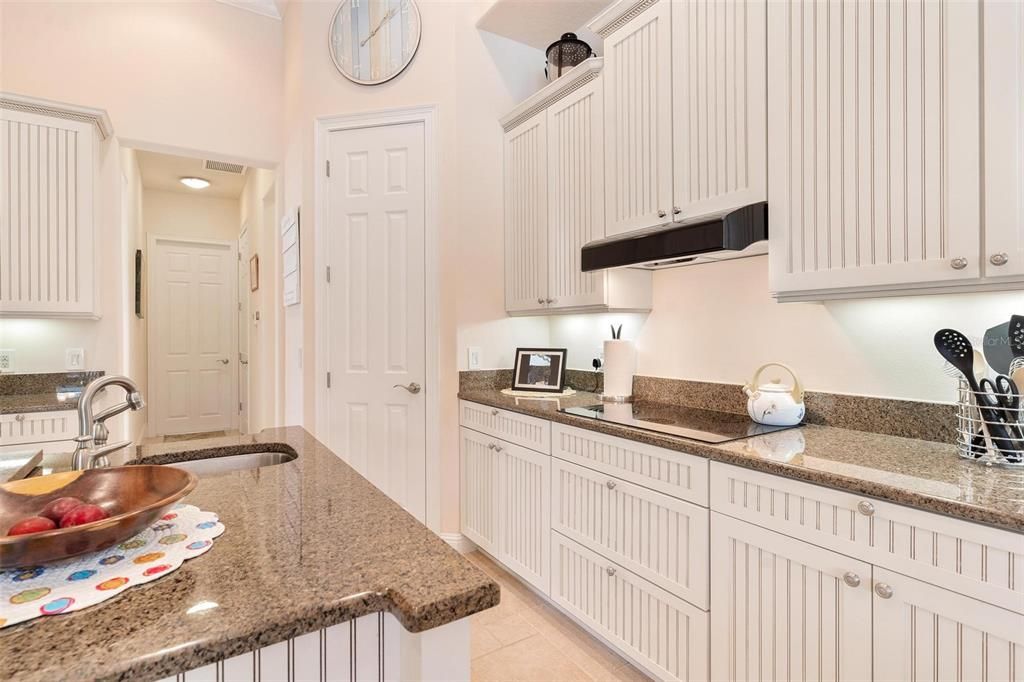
<point>413,388</point>
<point>224,361</point>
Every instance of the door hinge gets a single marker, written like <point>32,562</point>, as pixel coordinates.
<point>239,407</point>
<point>328,274</point>
<point>239,305</point>
<point>328,169</point>
<point>328,380</point>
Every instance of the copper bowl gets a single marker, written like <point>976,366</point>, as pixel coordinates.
<point>134,496</point>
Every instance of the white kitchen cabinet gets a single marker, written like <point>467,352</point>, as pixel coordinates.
<point>47,431</point>
<point>526,219</point>
<point>922,632</point>
<point>524,513</point>
<point>783,609</point>
<point>685,111</point>
<point>479,498</point>
<point>554,202</point>
<point>49,155</point>
<point>876,146</point>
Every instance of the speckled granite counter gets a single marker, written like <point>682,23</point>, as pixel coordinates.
<point>309,543</point>
<point>27,393</point>
<point>916,473</point>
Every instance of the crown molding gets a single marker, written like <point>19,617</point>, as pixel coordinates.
<point>618,14</point>
<point>571,80</point>
<point>68,112</point>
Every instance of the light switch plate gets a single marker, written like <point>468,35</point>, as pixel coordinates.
<point>6,360</point>
<point>74,359</point>
<point>474,357</point>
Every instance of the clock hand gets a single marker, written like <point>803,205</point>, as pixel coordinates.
<point>387,17</point>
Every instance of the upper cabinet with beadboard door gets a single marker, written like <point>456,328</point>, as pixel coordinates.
<point>526,218</point>
<point>875,147</point>
<point>48,165</point>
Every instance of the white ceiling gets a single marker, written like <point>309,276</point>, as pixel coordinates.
<point>164,171</point>
<point>539,23</point>
<point>268,8</point>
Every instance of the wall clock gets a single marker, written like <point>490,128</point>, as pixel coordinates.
<point>372,41</point>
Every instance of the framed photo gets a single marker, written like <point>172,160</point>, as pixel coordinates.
<point>254,272</point>
<point>539,369</point>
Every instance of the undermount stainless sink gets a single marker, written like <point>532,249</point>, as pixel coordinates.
<point>209,466</point>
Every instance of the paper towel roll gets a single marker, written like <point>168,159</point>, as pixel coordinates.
<point>619,367</point>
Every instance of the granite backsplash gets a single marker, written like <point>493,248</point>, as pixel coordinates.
<point>904,418</point>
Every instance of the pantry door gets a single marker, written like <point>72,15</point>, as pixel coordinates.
<point>375,307</point>
<point>192,379</point>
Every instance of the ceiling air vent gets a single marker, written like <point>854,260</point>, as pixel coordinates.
<point>223,167</point>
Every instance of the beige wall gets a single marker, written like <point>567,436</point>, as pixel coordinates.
<point>197,75</point>
<point>133,233</point>
<point>190,216</point>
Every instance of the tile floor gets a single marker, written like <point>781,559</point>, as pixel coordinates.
<point>525,639</point>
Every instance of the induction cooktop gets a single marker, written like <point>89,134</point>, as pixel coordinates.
<point>709,426</point>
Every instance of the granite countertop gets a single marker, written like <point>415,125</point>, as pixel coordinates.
<point>917,473</point>
<point>43,392</point>
<point>37,402</point>
<point>309,543</point>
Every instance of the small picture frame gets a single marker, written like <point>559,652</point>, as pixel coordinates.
<point>541,370</point>
<point>254,272</point>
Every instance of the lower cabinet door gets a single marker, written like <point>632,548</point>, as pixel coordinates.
<point>479,489</point>
<point>923,632</point>
<point>657,630</point>
<point>524,509</point>
<point>786,610</point>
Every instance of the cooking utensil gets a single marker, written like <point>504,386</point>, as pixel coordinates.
<point>958,351</point>
<point>997,348</point>
<point>1003,391</point>
<point>135,497</point>
<point>13,467</point>
<point>1016,336</point>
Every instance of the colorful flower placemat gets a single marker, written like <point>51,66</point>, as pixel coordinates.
<point>64,586</point>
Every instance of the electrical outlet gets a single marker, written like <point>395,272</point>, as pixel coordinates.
<point>6,360</point>
<point>474,357</point>
<point>74,359</point>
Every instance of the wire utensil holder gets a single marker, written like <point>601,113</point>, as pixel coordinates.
<point>973,436</point>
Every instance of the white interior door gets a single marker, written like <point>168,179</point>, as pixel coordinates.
<point>192,336</point>
<point>375,306</point>
<point>243,330</point>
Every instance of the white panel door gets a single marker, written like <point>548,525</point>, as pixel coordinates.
<point>376,309</point>
<point>525,514</point>
<point>638,121</point>
<point>719,105</point>
<point>1004,139</point>
<point>480,470</point>
<point>575,195</point>
<point>786,610</point>
<point>526,215</point>
<point>923,632</point>
<point>243,330</point>
<point>192,380</point>
<point>47,169</point>
<point>874,151</point>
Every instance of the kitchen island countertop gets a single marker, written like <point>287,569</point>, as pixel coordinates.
<point>308,544</point>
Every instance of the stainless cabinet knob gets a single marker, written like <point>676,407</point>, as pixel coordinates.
<point>540,301</point>
<point>498,448</point>
<point>661,213</point>
<point>610,571</point>
<point>883,590</point>
<point>413,388</point>
<point>549,301</point>
<point>851,579</point>
<point>958,263</point>
<point>494,413</point>
<point>676,210</point>
<point>490,446</point>
<point>865,508</point>
<point>998,259</point>
<point>19,417</point>
<point>224,361</point>
<point>611,485</point>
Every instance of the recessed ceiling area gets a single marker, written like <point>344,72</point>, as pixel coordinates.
<point>538,23</point>
<point>165,171</point>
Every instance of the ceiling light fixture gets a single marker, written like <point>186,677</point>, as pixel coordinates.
<point>195,183</point>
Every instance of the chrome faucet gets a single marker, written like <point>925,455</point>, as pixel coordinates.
<point>92,428</point>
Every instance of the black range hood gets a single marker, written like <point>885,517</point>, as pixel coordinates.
<point>737,233</point>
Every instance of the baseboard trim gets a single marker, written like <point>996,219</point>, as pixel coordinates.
<point>459,542</point>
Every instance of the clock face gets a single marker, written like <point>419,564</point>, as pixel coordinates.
<point>372,41</point>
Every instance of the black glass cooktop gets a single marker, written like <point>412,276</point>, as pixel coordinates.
<point>709,426</point>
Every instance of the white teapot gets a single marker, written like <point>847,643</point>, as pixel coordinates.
<point>775,404</point>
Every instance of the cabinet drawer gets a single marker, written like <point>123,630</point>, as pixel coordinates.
<point>658,537</point>
<point>520,429</point>
<point>673,473</point>
<point>969,558</point>
<point>38,427</point>
<point>657,630</point>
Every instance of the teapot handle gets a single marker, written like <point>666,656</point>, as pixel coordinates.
<point>798,389</point>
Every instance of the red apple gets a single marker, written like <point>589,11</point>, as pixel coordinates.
<point>33,524</point>
<point>58,508</point>
<point>82,514</point>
